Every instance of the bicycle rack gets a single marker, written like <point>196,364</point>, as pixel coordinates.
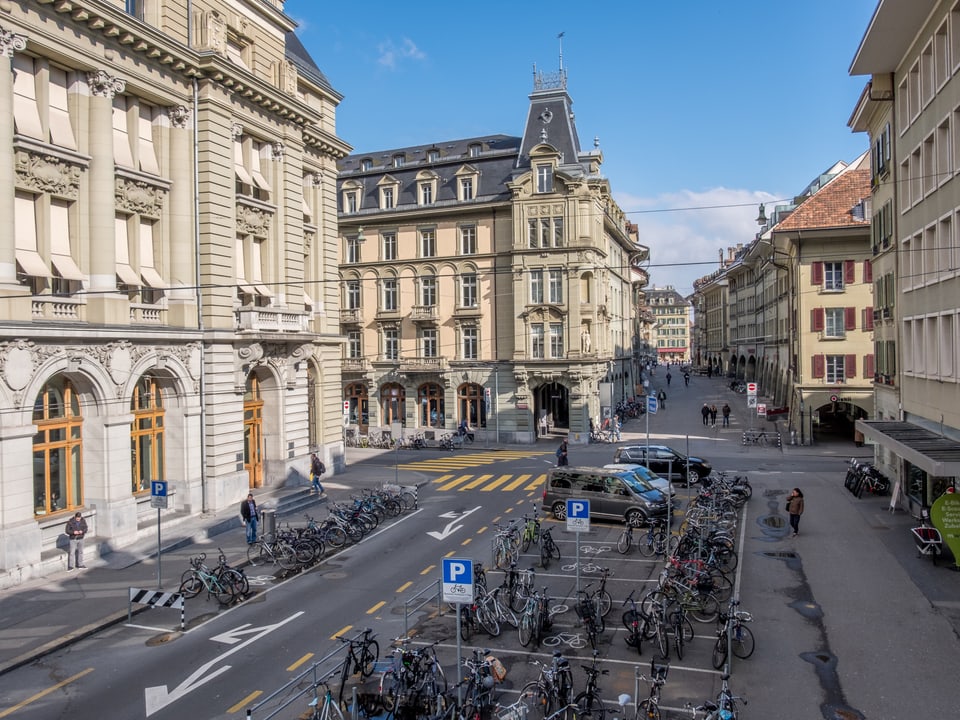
<point>419,600</point>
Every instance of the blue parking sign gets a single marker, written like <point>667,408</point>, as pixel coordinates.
<point>578,515</point>
<point>652,405</point>
<point>457,576</point>
<point>158,488</point>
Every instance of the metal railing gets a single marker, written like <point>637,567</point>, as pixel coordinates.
<point>433,591</point>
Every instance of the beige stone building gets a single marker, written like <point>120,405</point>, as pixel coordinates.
<point>169,304</point>
<point>911,110</point>
<point>486,280</point>
<point>671,332</point>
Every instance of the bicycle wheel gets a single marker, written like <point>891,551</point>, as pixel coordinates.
<point>719,656</point>
<point>603,602</point>
<point>257,554</point>
<point>335,537</point>
<point>525,631</point>
<point>554,550</point>
<point>466,623</point>
<point>368,658</point>
<point>647,544</point>
<point>238,579</point>
<point>589,704</point>
<point>346,670</point>
<point>648,710</point>
<point>488,620</point>
<point>678,633</point>
<point>191,585</point>
<point>625,541</point>
<point>545,556</point>
<point>663,640</point>
<point>742,642</point>
<point>541,702</point>
<point>704,608</point>
<point>388,691</point>
<point>527,539</point>
<point>286,556</point>
<point>501,558</point>
<point>223,591</point>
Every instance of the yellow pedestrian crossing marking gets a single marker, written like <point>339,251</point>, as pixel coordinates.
<point>489,482</point>
<point>459,461</point>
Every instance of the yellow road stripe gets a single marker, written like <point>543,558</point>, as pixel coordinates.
<point>520,502</point>
<point>476,483</point>
<point>338,634</point>
<point>508,510</point>
<point>376,607</point>
<point>427,569</point>
<point>496,483</point>
<point>454,483</point>
<point>536,483</point>
<point>442,478</point>
<point>497,518</point>
<point>450,554</point>
<point>467,541</point>
<point>248,699</point>
<point>404,586</point>
<point>481,530</point>
<point>299,662</point>
<point>521,479</point>
<point>43,693</point>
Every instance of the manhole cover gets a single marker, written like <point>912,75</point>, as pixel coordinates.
<point>788,555</point>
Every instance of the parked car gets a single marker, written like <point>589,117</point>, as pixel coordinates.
<point>613,494</point>
<point>646,478</point>
<point>665,462</point>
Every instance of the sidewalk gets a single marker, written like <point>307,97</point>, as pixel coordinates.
<point>45,614</point>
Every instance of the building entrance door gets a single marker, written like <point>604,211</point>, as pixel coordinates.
<point>253,432</point>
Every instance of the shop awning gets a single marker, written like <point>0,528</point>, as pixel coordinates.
<point>939,456</point>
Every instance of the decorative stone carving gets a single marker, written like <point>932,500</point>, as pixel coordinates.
<point>17,365</point>
<point>316,179</point>
<point>180,116</point>
<point>47,174</point>
<point>276,149</point>
<point>250,353</point>
<point>105,85</point>
<point>253,221</point>
<point>236,130</point>
<point>216,33</point>
<point>138,197</point>
<point>119,363</point>
<point>288,78</point>
<point>10,42</point>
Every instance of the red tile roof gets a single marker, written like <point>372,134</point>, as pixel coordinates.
<point>833,205</point>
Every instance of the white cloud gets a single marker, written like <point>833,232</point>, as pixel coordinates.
<point>685,230</point>
<point>390,54</point>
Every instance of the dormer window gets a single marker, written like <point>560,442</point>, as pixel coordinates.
<point>366,164</point>
<point>466,188</point>
<point>427,187</point>
<point>387,201</point>
<point>474,150</point>
<point>399,160</point>
<point>544,179</point>
<point>433,156</point>
<point>426,193</point>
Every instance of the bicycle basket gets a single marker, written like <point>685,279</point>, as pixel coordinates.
<point>659,670</point>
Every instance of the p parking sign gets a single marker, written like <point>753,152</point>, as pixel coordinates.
<point>578,515</point>
<point>158,494</point>
<point>457,580</point>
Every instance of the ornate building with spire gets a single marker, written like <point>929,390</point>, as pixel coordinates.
<point>486,279</point>
<point>167,176</point>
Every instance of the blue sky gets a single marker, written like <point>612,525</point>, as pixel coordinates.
<point>694,103</point>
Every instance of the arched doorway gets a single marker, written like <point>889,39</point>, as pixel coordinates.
<point>57,448</point>
<point>430,402</point>
<point>553,398</point>
<point>393,404</point>
<point>358,412</point>
<point>253,431</point>
<point>471,406</point>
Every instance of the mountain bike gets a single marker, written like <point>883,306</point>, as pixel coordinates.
<point>362,655</point>
<point>548,548</point>
<point>589,702</point>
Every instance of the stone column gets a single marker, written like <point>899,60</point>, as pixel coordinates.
<point>180,251</point>
<point>9,43</point>
<point>104,304</point>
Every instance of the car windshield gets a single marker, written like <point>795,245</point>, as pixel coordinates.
<point>636,481</point>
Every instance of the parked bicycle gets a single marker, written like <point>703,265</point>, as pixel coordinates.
<point>218,584</point>
<point>589,702</point>
<point>362,654</point>
<point>649,709</point>
<point>733,635</point>
<point>724,708</point>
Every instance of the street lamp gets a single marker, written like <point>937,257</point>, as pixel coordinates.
<point>761,218</point>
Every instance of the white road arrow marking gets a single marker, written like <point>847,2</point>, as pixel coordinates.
<point>451,526</point>
<point>159,697</point>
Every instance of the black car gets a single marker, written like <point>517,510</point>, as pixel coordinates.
<point>665,462</point>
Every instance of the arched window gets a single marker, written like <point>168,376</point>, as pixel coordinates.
<point>146,434</point>
<point>393,404</point>
<point>57,448</point>
<point>358,414</point>
<point>430,400</point>
<point>471,405</point>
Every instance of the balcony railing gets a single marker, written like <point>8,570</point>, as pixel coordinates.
<point>350,316</point>
<point>424,313</point>
<point>270,320</point>
<point>422,364</point>
<point>355,365</point>
<point>58,308</point>
<point>147,314</point>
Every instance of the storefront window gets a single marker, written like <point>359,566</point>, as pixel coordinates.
<point>57,448</point>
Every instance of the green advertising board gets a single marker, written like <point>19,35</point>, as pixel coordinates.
<point>945,516</point>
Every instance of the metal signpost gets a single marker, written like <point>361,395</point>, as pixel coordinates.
<point>578,521</point>
<point>158,499</point>
<point>652,407</point>
<point>751,400</point>
<point>457,581</point>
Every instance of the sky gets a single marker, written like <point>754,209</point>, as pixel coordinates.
<point>702,109</point>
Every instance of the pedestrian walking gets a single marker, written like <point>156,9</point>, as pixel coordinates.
<point>713,416</point>
<point>795,510</point>
<point>544,425</point>
<point>709,371</point>
<point>686,379</point>
<point>705,413</point>
<point>669,377</point>
<point>616,427</point>
<point>317,468</point>
<point>725,410</point>
<point>250,515</point>
<point>662,398</point>
<point>76,529</point>
<point>562,458</point>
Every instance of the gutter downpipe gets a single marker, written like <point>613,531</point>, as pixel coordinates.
<point>204,508</point>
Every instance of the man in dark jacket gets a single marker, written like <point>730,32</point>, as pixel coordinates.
<point>250,515</point>
<point>317,468</point>
<point>76,529</point>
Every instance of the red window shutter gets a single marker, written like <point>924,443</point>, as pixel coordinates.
<point>849,318</point>
<point>850,367</point>
<point>816,273</point>
<point>819,366</point>
<point>867,271</point>
<point>816,320</point>
<point>868,366</point>
<point>849,272</point>
<point>868,318</point>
